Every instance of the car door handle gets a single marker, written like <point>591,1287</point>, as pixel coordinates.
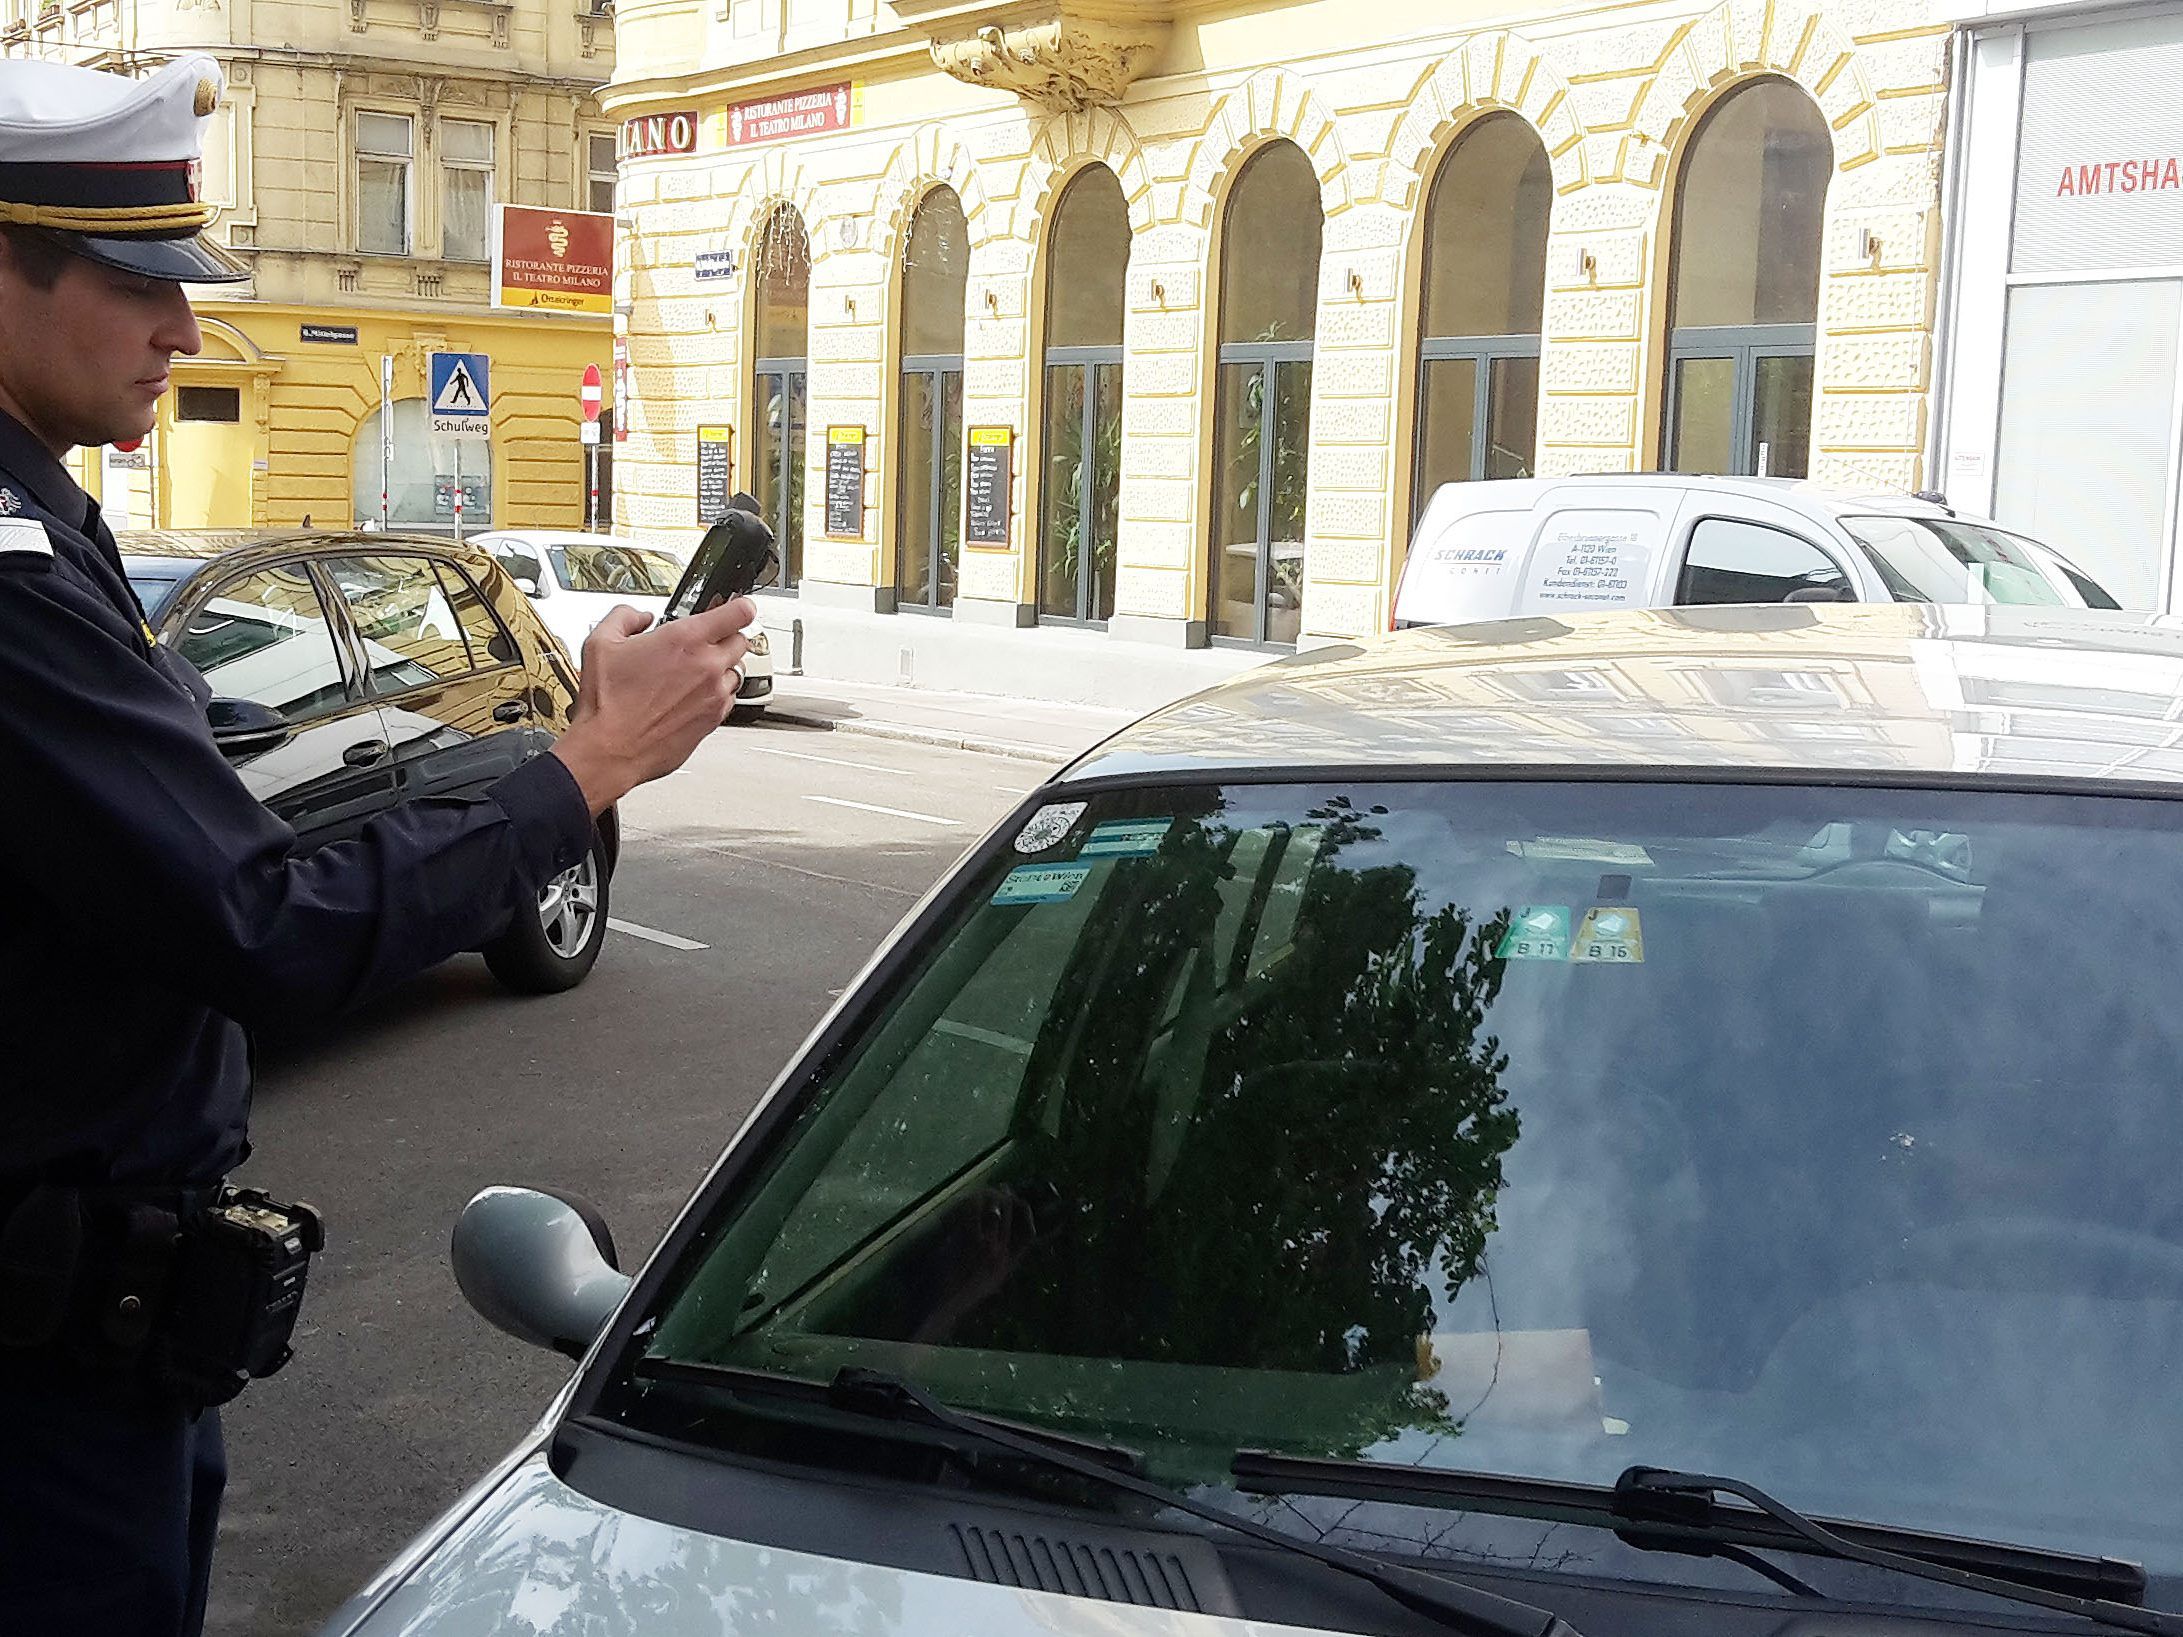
<point>365,753</point>
<point>510,710</point>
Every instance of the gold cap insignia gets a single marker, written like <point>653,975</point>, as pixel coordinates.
<point>208,98</point>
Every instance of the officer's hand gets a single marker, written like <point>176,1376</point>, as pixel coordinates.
<point>648,697</point>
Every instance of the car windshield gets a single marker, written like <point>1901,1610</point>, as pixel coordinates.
<point>632,570</point>
<point>1945,560</point>
<point>1821,1137</point>
<point>152,589</point>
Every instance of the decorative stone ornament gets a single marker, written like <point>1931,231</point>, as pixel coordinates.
<point>1070,59</point>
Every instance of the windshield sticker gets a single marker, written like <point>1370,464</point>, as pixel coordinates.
<point>1126,838</point>
<point>1579,850</point>
<point>1537,934</point>
<point>1047,826</point>
<point>1041,883</point>
<point>1611,936</point>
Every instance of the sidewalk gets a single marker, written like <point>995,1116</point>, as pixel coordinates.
<point>1032,730</point>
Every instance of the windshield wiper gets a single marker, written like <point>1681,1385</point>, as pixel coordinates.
<point>874,1396</point>
<point>819,1396</point>
<point>1657,1509</point>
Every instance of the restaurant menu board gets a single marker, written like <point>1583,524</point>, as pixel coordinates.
<point>990,449</point>
<point>845,481</point>
<point>715,474</point>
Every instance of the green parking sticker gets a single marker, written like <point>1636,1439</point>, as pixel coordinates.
<point>1041,883</point>
<point>1125,838</point>
<point>1540,933</point>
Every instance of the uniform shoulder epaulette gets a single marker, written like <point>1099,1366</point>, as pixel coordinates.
<point>24,543</point>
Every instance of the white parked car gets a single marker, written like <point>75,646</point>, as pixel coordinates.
<point>1356,1150</point>
<point>1521,546</point>
<point>573,579</point>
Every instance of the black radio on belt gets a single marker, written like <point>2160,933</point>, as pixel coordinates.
<point>238,1284</point>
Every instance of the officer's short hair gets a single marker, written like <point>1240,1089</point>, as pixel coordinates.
<point>37,258</point>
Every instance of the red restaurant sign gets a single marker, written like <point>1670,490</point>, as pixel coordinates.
<point>652,134</point>
<point>559,261</point>
<point>797,113</point>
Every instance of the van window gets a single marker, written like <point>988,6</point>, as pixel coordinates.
<point>1593,559</point>
<point>1731,561</point>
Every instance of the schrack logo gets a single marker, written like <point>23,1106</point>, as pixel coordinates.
<point>2119,176</point>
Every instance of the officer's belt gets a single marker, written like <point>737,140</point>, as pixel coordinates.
<point>85,1271</point>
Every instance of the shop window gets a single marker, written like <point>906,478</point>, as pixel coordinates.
<point>1087,259</point>
<point>1269,284</point>
<point>1484,290</point>
<point>384,144</point>
<point>223,404</point>
<point>421,492</point>
<point>929,511</point>
<point>782,375</point>
<point>466,190</point>
<point>1743,290</point>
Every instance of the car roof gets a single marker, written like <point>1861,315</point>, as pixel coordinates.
<point>186,549</point>
<point>559,537</point>
<point>1815,499</point>
<point>1908,690</point>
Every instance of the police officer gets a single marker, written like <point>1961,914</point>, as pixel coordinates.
<point>153,911</point>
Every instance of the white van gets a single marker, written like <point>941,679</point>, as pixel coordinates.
<point>1490,550</point>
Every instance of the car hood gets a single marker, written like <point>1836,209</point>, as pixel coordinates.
<point>536,1556</point>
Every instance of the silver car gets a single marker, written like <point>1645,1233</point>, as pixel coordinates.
<point>1654,1123</point>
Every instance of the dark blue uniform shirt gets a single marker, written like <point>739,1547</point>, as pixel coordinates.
<point>153,910</point>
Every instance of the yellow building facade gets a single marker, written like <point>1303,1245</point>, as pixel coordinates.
<point>357,159</point>
<point>1166,317</point>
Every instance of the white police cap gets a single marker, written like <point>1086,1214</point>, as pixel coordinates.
<point>106,165</point>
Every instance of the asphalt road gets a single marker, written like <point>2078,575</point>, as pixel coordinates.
<point>767,850</point>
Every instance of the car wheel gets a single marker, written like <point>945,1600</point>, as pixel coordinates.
<point>556,947</point>
<point>744,715</point>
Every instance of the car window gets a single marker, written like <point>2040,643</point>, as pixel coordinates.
<point>490,644</point>
<point>412,634</point>
<point>1537,1128</point>
<point>627,570</point>
<point>1944,560</point>
<point>265,636</point>
<point>520,561</point>
<point>152,590</point>
<point>1732,561</point>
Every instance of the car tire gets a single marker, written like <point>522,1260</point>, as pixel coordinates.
<point>555,946</point>
<point>744,715</point>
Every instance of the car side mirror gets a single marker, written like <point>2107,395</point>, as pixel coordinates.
<point>1822,594</point>
<point>538,1266</point>
<point>244,727</point>
<point>528,586</point>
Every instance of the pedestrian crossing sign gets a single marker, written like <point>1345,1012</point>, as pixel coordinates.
<point>461,391</point>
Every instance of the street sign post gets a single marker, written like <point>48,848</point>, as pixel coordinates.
<point>589,396</point>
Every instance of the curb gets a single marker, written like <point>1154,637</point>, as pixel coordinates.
<point>939,737</point>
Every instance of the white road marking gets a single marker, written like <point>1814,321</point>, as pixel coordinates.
<point>891,812</point>
<point>830,761</point>
<point>650,935</point>
<point>1015,789</point>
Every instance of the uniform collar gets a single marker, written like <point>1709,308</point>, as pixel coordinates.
<point>29,463</point>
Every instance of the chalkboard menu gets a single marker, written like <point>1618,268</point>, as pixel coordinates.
<point>990,448</point>
<point>715,474</point>
<point>845,481</point>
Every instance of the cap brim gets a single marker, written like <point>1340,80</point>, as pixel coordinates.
<point>185,261</point>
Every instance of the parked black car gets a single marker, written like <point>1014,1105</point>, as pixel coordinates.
<point>355,671</point>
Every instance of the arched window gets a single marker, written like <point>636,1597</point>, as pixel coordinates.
<point>1269,289</point>
<point>1484,289</point>
<point>780,379</point>
<point>928,538</point>
<point>421,494</point>
<point>1743,290</point>
<point>1087,259</point>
